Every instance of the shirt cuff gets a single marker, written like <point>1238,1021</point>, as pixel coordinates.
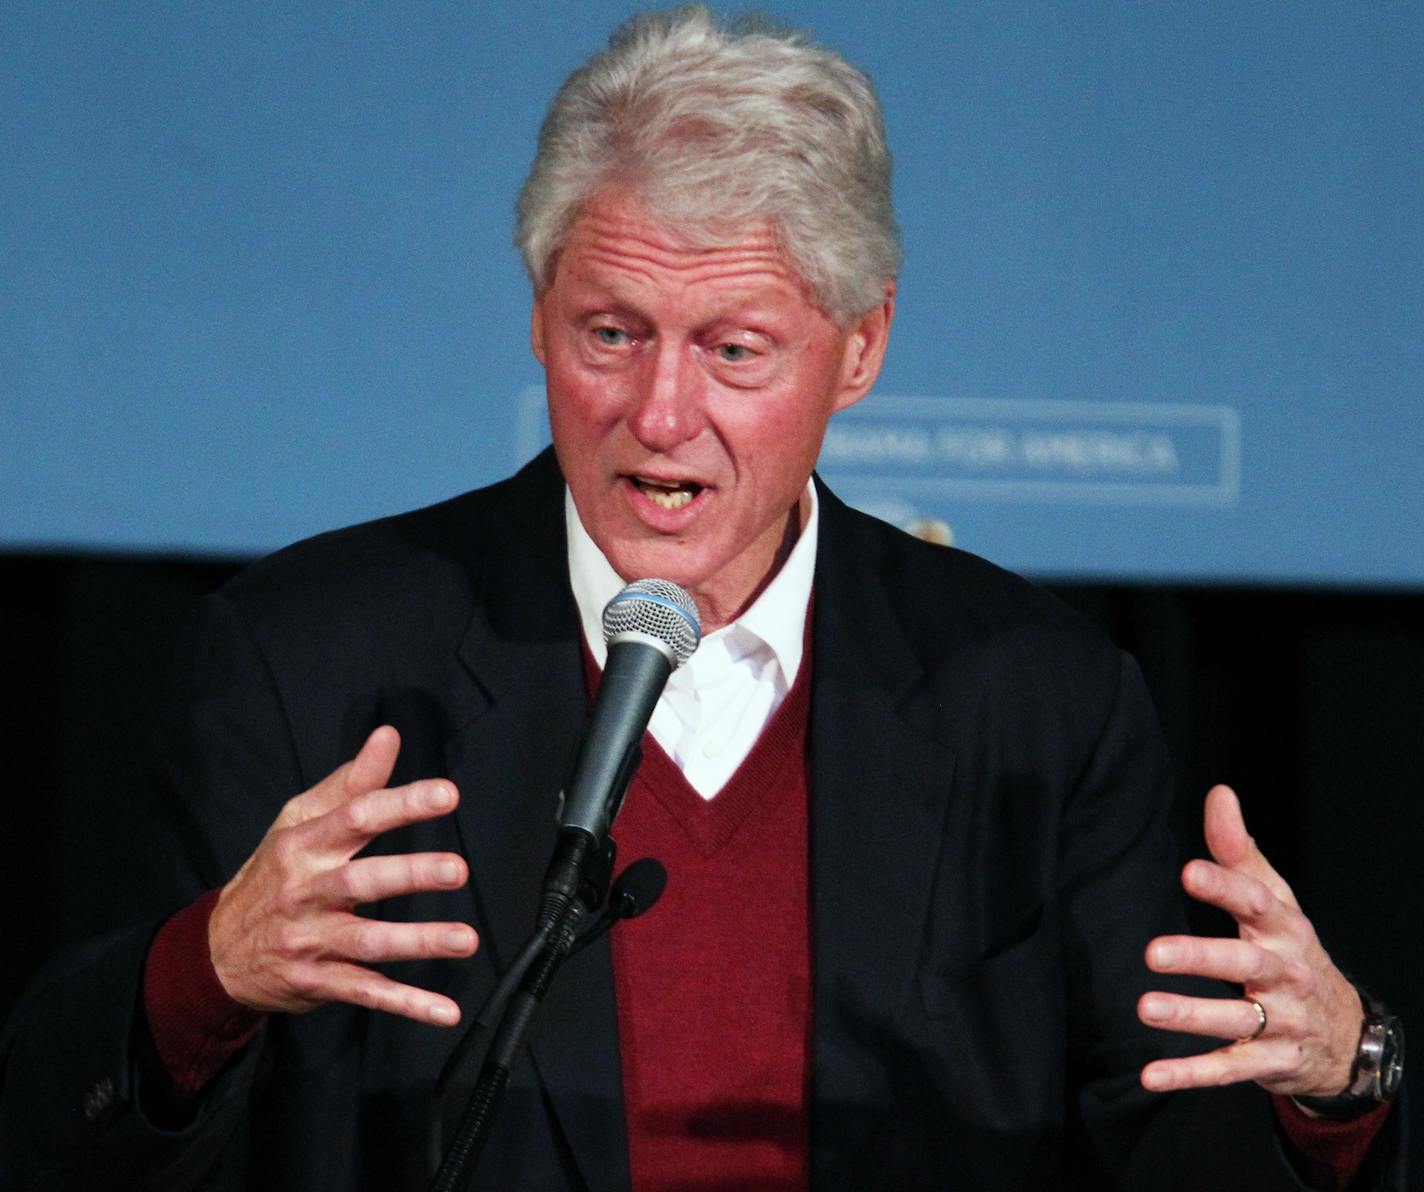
<point>1333,1151</point>
<point>195,1026</point>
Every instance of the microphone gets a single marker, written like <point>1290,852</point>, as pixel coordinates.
<point>637,888</point>
<point>651,628</point>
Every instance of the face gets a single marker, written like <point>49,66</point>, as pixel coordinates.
<point>689,390</point>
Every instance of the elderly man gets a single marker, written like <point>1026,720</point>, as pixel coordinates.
<point>912,810</point>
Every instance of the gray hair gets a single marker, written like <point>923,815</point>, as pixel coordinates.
<point>717,128</point>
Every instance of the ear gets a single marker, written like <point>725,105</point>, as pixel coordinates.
<point>536,328</point>
<point>865,350</point>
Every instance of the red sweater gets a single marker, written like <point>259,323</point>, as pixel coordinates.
<point>714,983</point>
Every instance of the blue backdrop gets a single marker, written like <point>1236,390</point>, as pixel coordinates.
<point>1161,315</point>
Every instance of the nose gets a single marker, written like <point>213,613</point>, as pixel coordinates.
<point>668,404</point>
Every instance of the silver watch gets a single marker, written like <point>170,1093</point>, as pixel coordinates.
<point>1377,1071</point>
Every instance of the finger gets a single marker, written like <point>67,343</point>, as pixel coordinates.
<point>1250,902</point>
<point>1232,846</point>
<point>352,825</point>
<point>369,770</point>
<point>370,879</point>
<point>1216,1017</point>
<point>375,941</point>
<point>1263,1060</point>
<point>1225,827</point>
<point>361,987</point>
<point>1235,960</point>
<point>374,763</point>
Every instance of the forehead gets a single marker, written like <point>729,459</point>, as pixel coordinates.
<point>615,243</point>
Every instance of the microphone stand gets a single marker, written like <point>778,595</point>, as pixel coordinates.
<point>577,883</point>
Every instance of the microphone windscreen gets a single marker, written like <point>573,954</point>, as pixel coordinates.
<point>638,887</point>
<point>655,608</point>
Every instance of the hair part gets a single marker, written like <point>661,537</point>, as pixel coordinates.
<point>715,129</point>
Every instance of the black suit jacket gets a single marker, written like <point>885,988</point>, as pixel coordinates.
<point>988,859</point>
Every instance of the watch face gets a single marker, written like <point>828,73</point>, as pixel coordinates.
<point>1392,1061</point>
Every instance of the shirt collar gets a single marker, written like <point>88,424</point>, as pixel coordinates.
<point>777,617</point>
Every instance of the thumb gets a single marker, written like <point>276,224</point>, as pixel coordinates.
<point>374,763</point>
<point>369,770</point>
<point>1226,837</point>
<point>1233,847</point>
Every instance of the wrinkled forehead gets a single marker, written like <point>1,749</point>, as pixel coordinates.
<point>617,229</point>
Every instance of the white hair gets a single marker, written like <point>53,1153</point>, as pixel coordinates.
<point>715,129</point>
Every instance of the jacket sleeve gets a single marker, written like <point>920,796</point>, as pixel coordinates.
<point>74,1111</point>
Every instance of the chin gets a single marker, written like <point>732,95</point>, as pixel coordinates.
<point>652,561</point>
<point>655,566</point>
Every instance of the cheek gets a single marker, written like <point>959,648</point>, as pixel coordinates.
<point>786,435</point>
<point>579,405</point>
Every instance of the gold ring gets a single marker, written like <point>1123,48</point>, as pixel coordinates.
<point>1260,1023</point>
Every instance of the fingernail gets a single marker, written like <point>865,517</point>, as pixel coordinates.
<point>1153,1079</point>
<point>445,1015</point>
<point>1154,1007</point>
<point>447,873</point>
<point>1166,954</point>
<point>457,941</point>
<point>440,796</point>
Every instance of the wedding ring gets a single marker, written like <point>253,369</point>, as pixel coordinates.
<point>1260,1023</point>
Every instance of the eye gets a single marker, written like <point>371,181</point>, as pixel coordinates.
<point>734,353</point>
<point>610,337</point>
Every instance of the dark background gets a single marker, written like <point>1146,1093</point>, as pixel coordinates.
<point>1307,701</point>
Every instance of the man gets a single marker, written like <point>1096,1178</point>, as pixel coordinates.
<point>912,810</point>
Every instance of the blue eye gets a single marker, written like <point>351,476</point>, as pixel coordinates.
<point>612,337</point>
<point>734,353</point>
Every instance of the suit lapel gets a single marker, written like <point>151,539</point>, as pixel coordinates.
<point>879,797</point>
<point>511,760</point>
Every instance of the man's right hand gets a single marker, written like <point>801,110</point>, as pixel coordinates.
<point>283,935</point>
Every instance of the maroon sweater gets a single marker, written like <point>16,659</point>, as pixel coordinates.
<point>714,983</point>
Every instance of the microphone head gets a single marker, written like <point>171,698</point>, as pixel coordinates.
<point>658,609</point>
<point>637,888</point>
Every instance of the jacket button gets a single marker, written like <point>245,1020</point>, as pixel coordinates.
<point>98,1098</point>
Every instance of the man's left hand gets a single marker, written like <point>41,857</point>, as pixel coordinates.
<point>1312,1013</point>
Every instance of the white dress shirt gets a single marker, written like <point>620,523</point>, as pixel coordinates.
<point>716,704</point>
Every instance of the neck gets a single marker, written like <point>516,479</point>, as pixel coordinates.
<point>715,612</point>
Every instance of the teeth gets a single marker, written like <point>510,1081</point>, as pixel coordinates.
<point>664,494</point>
<point>669,498</point>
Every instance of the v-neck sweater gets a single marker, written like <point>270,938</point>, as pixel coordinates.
<point>714,983</point>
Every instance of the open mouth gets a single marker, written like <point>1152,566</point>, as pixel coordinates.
<point>667,494</point>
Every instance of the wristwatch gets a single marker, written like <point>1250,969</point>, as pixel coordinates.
<point>1377,1071</point>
